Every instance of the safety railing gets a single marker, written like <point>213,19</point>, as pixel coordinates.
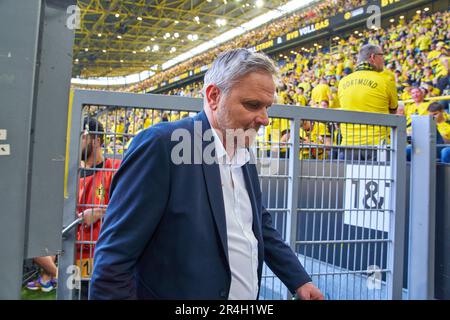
<point>334,190</point>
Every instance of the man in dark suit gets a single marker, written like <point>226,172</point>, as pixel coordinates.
<point>185,220</point>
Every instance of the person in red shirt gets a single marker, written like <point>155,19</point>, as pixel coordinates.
<point>93,195</point>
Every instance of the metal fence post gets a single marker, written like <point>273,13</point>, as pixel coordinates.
<point>66,259</point>
<point>422,209</point>
<point>293,184</point>
<point>397,229</point>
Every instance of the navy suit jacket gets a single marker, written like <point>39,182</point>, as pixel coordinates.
<point>164,234</point>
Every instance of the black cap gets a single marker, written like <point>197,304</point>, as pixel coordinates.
<point>93,125</point>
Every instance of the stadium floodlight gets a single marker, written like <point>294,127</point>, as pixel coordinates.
<point>221,22</point>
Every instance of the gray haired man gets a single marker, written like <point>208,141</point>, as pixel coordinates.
<point>197,231</point>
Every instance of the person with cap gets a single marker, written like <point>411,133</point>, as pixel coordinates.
<point>94,183</point>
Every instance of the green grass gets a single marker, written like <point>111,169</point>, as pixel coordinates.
<point>38,295</point>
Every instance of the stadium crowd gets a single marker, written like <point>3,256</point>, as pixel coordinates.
<point>416,55</point>
<point>416,60</point>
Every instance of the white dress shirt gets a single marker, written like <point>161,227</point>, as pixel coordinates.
<point>242,244</point>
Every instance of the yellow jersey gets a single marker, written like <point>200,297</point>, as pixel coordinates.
<point>366,91</point>
<point>412,108</point>
<point>444,128</point>
<point>300,99</point>
<point>321,92</point>
<point>424,42</point>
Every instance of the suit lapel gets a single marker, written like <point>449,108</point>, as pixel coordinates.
<point>257,231</point>
<point>252,195</point>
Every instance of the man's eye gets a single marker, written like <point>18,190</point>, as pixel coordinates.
<point>252,105</point>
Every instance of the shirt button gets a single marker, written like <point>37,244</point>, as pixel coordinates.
<point>223,294</point>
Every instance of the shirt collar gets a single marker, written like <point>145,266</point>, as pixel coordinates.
<point>240,158</point>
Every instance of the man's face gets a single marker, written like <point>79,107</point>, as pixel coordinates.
<point>245,106</point>
<point>86,147</point>
<point>417,95</point>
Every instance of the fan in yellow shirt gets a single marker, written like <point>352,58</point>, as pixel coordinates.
<point>437,110</point>
<point>299,98</point>
<point>418,107</point>
<point>321,92</point>
<point>424,41</point>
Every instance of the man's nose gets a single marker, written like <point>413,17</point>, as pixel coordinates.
<point>263,117</point>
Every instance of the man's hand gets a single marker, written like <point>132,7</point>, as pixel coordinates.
<point>309,291</point>
<point>90,216</point>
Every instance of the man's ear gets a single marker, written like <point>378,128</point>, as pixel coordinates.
<point>212,93</point>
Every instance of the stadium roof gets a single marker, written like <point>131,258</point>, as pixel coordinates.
<point>122,42</point>
<point>123,37</point>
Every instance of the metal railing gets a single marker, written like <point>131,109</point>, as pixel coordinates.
<point>335,190</point>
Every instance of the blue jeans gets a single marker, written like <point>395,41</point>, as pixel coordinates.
<point>442,153</point>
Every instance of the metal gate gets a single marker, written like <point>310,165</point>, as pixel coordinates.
<point>335,190</point>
